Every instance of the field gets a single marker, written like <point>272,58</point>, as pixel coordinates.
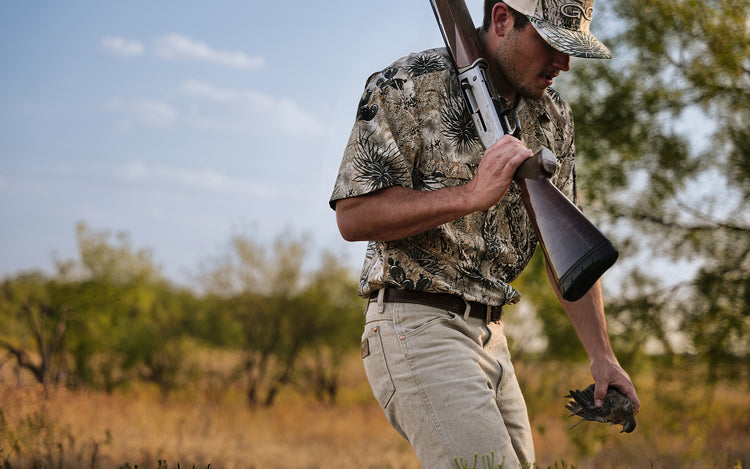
<point>681,425</point>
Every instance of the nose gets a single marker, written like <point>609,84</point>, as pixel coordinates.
<point>561,61</point>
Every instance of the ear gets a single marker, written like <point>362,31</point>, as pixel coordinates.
<point>502,19</point>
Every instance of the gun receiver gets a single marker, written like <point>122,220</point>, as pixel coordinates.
<point>576,251</point>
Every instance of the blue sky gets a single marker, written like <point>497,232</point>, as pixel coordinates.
<point>184,123</point>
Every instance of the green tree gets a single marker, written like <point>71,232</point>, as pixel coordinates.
<point>105,318</point>
<point>33,326</point>
<point>330,295</point>
<point>664,155</point>
<point>560,339</point>
<point>291,323</point>
<point>130,320</point>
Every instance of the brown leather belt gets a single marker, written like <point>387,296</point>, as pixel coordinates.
<point>444,301</point>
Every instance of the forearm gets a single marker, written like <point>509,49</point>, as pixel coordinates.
<point>587,317</point>
<point>589,322</point>
<point>397,212</point>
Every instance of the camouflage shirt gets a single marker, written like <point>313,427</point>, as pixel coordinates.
<point>413,130</point>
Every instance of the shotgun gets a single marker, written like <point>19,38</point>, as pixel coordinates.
<point>577,253</point>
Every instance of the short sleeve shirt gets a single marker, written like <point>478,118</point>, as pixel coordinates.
<point>413,130</point>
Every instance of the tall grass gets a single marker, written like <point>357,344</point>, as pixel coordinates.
<point>681,425</point>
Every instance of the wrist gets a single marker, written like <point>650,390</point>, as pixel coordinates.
<point>472,199</point>
<point>605,361</point>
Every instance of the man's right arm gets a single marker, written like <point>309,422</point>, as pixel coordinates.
<point>398,212</point>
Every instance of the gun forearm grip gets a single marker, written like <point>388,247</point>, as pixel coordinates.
<point>542,164</point>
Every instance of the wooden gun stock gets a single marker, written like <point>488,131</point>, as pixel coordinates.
<point>576,251</point>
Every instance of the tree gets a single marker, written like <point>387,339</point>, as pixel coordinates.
<point>330,295</point>
<point>132,323</point>
<point>291,323</point>
<point>555,338</point>
<point>34,326</point>
<point>664,152</point>
<point>103,320</point>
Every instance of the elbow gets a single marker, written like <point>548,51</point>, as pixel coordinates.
<point>349,236</point>
<point>347,228</point>
<point>361,219</point>
<point>346,221</point>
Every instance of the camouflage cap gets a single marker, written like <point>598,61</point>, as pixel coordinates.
<point>564,24</point>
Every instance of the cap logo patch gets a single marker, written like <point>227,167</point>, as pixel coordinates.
<point>574,10</point>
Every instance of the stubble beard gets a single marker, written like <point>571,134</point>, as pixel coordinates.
<point>512,69</point>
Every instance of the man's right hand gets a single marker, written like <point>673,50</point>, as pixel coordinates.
<point>495,173</point>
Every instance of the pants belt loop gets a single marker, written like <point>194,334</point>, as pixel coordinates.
<point>381,304</point>
<point>489,314</point>
<point>468,310</point>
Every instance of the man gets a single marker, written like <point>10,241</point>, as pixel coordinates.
<point>447,234</point>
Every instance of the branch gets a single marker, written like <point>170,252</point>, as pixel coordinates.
<point>23,360</point>
<point>710,226</point>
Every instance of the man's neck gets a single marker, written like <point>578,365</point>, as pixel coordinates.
<point>502,87</point>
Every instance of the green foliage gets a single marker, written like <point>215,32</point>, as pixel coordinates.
<point>30,313</point>
<point>561,339</point>
<point>103,320</point>
<point>664,157</point>
<point>291,324</point>
<point>108,319</point>
<point>127,316</point>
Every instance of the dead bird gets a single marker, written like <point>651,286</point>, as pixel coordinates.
<point>617,408</point>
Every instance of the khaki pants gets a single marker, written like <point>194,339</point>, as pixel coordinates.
<point>447,385</point>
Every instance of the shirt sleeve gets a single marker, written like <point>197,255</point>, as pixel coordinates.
<point>372,159</point>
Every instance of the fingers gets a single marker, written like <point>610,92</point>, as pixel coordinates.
<point>600,392</point>
<point>636,402</point>
<point>627,388</point>
<point>496,169</point>
<point>509,151</point>
<point>608,373</point>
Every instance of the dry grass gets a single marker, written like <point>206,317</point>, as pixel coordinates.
<point>679,427</point>
<point>139,427</point>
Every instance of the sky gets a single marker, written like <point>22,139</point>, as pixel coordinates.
<point>184,123</point>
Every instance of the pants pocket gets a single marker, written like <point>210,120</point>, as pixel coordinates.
<point>376,365</point>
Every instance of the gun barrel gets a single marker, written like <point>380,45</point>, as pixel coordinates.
<point>458,31</point>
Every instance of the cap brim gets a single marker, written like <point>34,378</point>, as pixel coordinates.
<point>574,43</point>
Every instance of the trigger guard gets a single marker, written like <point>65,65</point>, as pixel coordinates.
<point>508,119</point>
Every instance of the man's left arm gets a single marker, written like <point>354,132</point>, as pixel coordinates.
<point>587,317</point>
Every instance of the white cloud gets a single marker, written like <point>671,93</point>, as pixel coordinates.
<point>148,112</point>
<point>233,109</point>
<point>191,180</point>
<point>176,46</point>
<point>214,108</point>
<point>121,46</point>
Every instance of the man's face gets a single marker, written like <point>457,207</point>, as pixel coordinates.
<point>528,64</point>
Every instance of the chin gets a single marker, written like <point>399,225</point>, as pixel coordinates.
<point>534,94</point>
